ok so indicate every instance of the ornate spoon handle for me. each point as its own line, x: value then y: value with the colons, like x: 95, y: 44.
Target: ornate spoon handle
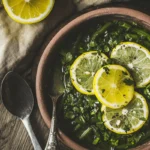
x: 52, y: 143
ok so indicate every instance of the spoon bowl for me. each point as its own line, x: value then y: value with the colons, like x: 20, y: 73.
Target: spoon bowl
x: 18, y: 99
x: 56, y: 91
x: 20, y: 103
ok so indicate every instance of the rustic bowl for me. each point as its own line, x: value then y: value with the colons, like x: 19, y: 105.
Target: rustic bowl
x: 47, y: 60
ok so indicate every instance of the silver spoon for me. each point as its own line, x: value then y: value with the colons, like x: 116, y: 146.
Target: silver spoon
x: 56, y: 91
x: 52, y: 143
x: 18, y: 99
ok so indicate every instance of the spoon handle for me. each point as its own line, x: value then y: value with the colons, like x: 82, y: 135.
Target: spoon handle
x: 52, y: 143
x: 27, y: 124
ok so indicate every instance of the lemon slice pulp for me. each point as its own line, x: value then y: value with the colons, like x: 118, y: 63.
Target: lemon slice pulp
x: 113, y: 86
x: 136, y: 59
x: 128, y: 119
x: 28, y: 11
x: 83, y: 70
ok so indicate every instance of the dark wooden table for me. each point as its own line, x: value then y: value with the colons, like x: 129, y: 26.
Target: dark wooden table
x: 13, y: 135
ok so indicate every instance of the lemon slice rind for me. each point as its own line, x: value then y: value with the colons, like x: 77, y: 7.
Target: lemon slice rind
x: 30, y: 20
x: 134, y: 128
x: 134, y: 63
x: 87, y: 55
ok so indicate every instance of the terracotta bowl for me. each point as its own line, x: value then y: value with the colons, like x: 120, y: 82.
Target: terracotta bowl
x: 48, y: 58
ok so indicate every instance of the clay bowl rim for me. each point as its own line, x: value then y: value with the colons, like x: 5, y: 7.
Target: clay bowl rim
x: 126, y: 12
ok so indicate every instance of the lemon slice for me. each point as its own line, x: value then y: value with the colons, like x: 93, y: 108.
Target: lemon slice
x: 136, y: 59
x: 113, y: 86
x: 28, y: 11
x: 128, y: 119
x: 83, y: 70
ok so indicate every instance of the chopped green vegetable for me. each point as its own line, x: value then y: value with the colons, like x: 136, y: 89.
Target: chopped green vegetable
x: 143, y: 119
x: 106, y: 136
x: 125, y: 73
x: 82, y: 113
x: 77, y: 127
x: 114, y: 142
x: 85, y: 133
x: 141, y: 33
x: 67, y: 57
x: 99, y: 32
x: 106, y: 69
x: 96, y: 140
x: 128, y: 81
x: 147, y: 91
x: 125, y: 25
x: 131, y: 37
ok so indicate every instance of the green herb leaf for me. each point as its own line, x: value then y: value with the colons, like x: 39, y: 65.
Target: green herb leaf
x: 85, y: 133
x: 128, y: 81
x: 142, y: 118
x: 96, y: 140
x: 106, y: 136
x: 106, y: 69
x: 125, y: 73
x: 147, y: 91
x: 67, y: 57
x: 126, y: 128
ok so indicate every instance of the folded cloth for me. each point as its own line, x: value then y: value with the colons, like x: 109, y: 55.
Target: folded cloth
x: 20, y: 43
x: 81, y: 4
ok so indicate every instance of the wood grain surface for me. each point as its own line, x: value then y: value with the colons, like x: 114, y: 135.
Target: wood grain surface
x: 13, y: 135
